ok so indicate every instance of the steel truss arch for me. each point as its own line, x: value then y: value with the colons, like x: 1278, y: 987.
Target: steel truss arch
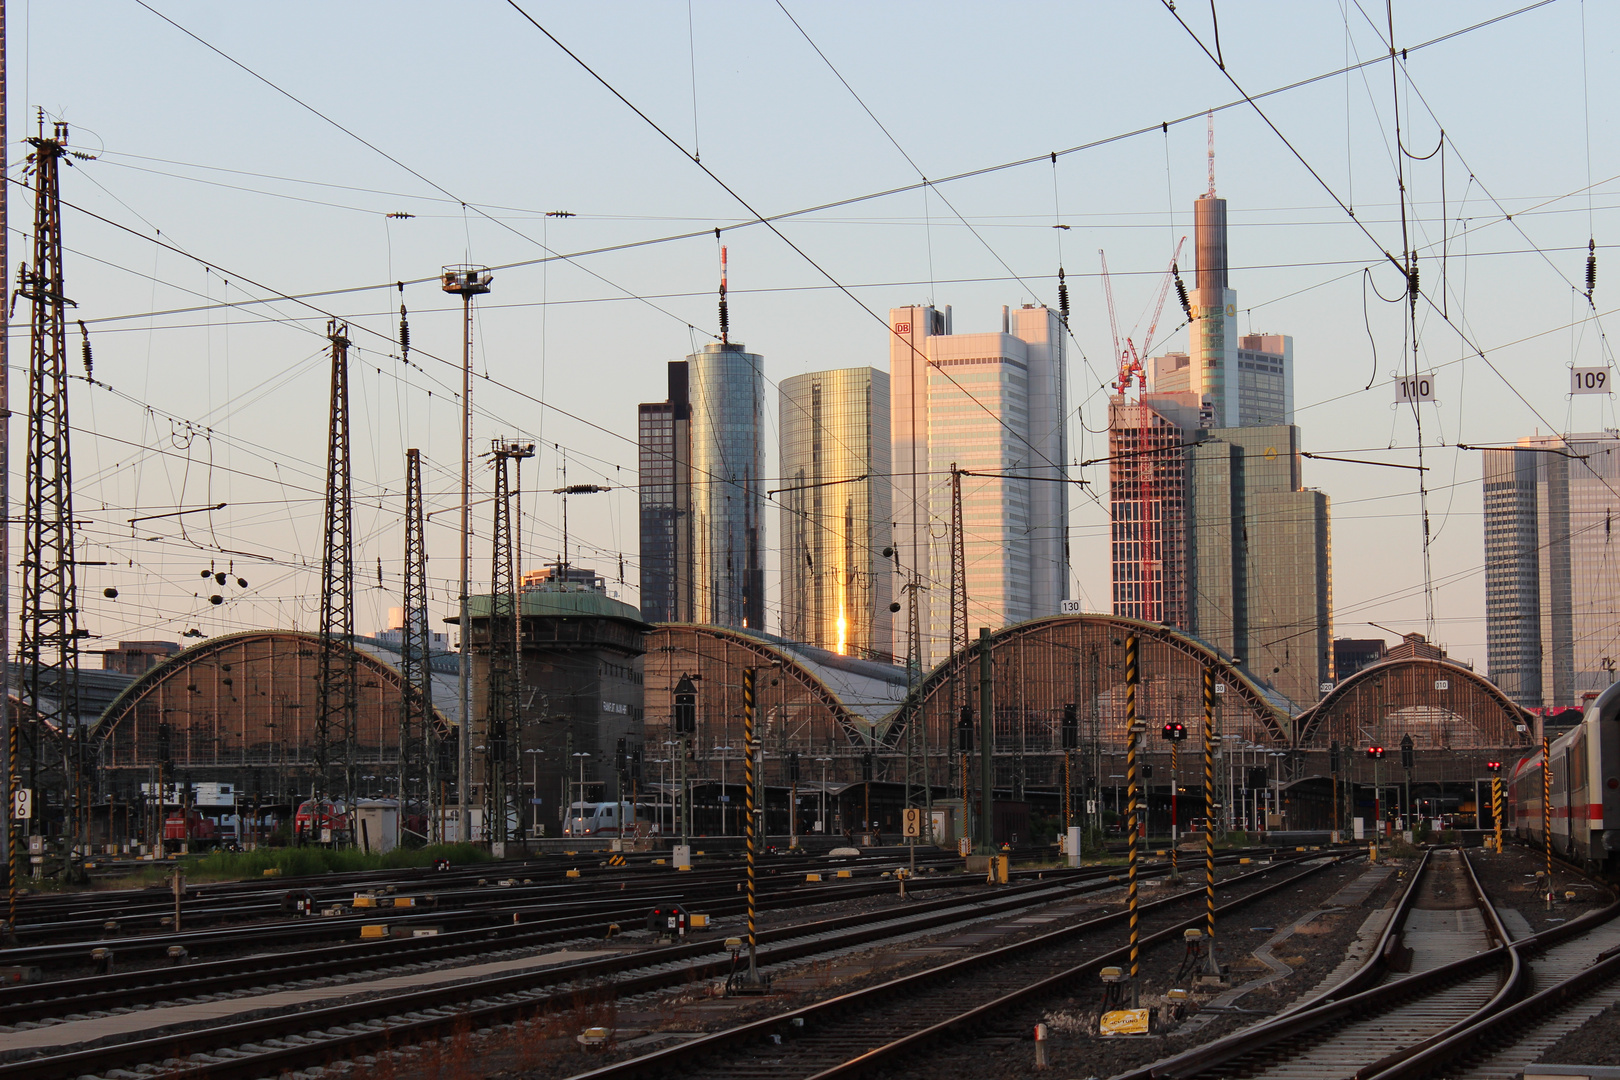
x: 1440, y: 702
x: 254, y: 692
x: 1044, y: 664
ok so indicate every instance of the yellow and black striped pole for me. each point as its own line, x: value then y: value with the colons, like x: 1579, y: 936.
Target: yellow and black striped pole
x: 1209, y: 818
x: 1132, y: 678
x: 1546, y: 808
x: 748, y: 778
x: 1496, y: 810
x: 13, y: 848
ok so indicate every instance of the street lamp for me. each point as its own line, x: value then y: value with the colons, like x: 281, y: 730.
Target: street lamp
x: 581, y: 755
x: 822, y: 824
x: 725, y: 792
x: 534, y: 784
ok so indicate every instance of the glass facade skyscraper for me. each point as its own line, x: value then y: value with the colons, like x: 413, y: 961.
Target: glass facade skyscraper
x: 991, y: 404
x: 702, y: 460
x: 727, y: 392
x: 835, y: 516
x: 1552, y: 568
x: 1237, y: 552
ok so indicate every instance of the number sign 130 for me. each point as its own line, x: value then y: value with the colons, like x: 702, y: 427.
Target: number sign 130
x: 1589, y: 380
x: 1414, y: 388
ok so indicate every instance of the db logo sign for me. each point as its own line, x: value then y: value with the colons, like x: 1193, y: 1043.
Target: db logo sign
x: 902, y: 328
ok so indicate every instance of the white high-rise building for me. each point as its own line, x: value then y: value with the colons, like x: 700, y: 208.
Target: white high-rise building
x: 992, y: 405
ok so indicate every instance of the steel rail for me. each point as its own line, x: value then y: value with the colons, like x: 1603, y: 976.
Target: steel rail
x: 1464, y: 1040
x: 679, y: 1058
x: 42, y: 1000
x: 1363, y: 996
x: 394, y: 1020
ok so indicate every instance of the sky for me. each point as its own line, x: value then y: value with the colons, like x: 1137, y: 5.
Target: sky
x: 246, y: 161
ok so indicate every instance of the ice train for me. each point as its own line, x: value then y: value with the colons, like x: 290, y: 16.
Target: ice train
x: 1584, y: 789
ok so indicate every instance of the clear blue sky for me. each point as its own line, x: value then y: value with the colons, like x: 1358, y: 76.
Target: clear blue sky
x: 213, y: 404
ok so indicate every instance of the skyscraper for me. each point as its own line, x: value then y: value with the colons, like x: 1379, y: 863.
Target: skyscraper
x: 992, y: 405
x: 1242, y: 381
x: 1260, y: 574
x: 702, y: 518
x: 1235, y: 552
x: 834, y: 465
x: 665, y: 447
x: 1552, y: 569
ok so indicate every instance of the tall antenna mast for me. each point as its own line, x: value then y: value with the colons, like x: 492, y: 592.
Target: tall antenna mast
x: 1211, y: 116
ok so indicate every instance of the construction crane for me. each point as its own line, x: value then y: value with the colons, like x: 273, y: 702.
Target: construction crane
x: 1149, y: 539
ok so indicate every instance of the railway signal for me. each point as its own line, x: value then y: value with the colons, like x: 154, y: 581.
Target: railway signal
x: 685, y: 706
x: 1071, y: 726
x: 1333, y: 757
x: 1406, y: 752
x: 1375, y: 752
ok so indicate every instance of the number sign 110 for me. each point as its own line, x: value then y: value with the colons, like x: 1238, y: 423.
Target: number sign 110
x: 1410, y: 388
x: 1589, y: 380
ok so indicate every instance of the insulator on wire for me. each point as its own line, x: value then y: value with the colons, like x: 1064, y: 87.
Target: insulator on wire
x: 1063, y: 298
x: 1412, y: 280
x: 1181, y: 292
x: 90, y: 365
x: 404, y: 326
x: 1591, y: 268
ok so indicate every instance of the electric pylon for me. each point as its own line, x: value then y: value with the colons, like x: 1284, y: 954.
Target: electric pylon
x: 335, y: 717
x: 418, y: 757
x: 502, y: 721
x: 48, y: 646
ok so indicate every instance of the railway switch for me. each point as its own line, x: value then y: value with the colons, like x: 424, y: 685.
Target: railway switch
x: 178, y: 955
x: 103, y: 959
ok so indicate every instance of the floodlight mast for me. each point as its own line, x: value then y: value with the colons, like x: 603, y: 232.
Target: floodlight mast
x: 465, y: 281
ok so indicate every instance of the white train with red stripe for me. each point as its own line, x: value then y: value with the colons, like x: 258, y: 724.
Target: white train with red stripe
x: 1585, y: 788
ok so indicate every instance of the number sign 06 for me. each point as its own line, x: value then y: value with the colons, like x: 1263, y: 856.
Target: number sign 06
x: 1589, y: 380
x: 1414, y: 388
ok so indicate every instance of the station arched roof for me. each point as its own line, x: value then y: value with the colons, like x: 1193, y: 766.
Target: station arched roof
x: 856, y: 694
x: 1059, y: 659
x: 1440, y: 702
x: 244, y: 683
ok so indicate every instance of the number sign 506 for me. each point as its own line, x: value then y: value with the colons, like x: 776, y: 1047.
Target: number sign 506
x: 1589, y: 380
x: 1414, y: 388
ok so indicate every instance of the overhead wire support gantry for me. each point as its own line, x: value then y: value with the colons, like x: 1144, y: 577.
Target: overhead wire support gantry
x: 418, y: 746
x: 48, y: 646
x: 504, y: 640
x: 337, y: 675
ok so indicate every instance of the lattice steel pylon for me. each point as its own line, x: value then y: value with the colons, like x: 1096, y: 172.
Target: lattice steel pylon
x: 418, y: 754
x: 502, y: 721
x: 336, y: 676
x: 48, y: 646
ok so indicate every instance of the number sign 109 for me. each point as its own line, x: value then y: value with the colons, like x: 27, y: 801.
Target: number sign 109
x: 1589, y: 380
x: 1414, y: 388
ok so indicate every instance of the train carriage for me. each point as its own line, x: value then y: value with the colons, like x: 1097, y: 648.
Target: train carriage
x: 1583, y: 787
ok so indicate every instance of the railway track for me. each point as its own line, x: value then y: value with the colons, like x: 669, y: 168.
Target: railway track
x: 268, y: 1046
x: 549, y: 926
x: 1447, y: 992
x: 484, y: 902
x: 866, y: 1029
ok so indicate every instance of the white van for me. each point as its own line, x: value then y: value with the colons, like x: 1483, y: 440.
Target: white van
x: 606, y: 819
